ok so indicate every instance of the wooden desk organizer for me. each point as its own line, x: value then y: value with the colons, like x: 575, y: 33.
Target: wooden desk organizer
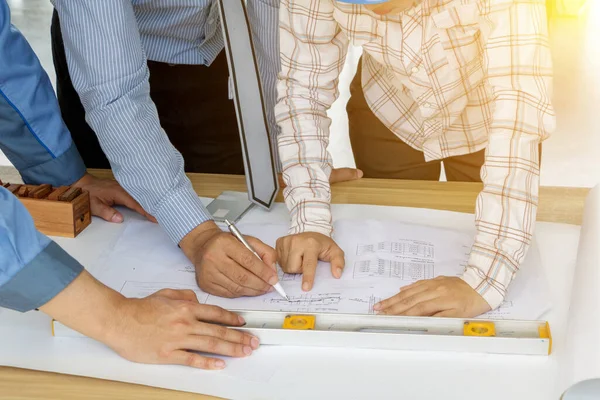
x: 56, y: 211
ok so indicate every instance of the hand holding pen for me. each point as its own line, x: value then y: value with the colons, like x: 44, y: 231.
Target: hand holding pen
x: 235, y: 232
x: 225, y: 267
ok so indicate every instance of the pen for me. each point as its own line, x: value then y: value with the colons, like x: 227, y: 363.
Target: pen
x: 235, y: 232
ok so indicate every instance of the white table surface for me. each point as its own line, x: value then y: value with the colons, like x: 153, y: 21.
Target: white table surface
x: 301, y: 372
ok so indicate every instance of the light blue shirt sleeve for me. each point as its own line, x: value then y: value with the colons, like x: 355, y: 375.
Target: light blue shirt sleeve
x: 32, y: 133
x: 33, y: 269
x: 109, y: 71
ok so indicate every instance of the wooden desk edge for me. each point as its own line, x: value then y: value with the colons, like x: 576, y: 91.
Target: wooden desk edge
x: 557, y: 204
x: 27, y: 384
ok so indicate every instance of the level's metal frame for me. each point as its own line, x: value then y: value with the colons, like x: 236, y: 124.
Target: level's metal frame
x: 400, y: 333
x: 390, y: 333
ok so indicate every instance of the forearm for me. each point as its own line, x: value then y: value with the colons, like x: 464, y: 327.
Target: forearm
x: 166, y: 327
x: 87, y: 306
x: 33, y: 135
x: 522, y: 117
x: 116, y: 97
x: 311, y: 61
x: 505, y: 215
x: 33, y: 269
x: 306, y: 163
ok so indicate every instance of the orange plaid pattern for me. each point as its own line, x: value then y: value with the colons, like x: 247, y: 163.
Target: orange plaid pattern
x: 449, y: 77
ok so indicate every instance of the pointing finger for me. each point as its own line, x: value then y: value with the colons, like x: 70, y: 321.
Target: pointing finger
x: 310, y: 261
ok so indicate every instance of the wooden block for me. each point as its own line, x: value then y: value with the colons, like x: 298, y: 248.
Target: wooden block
x: 40, y: 192
x: 70, y: 194
x: 13, y: 188
x: 23, y: 191
x: 59, y: 191
x: 60, y: 218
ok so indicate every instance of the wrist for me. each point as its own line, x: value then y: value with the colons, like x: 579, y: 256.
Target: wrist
x: 115, y: 326
x: 472, y: 277
x: 197, y: 237
x: 87, y: 306
x: 323, y: 229
x: 110, y: 318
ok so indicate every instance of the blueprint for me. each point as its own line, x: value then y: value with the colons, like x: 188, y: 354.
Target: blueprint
x: 381, y: 257
x: 401, y: 247
x: 409, y: 270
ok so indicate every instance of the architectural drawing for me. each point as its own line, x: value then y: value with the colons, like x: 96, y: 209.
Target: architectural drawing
x: 283, y: 277
x: 402, y: 247
x: 369, y: 301
x: 404, y: 270
x: 504, y: 311
x: 324, y: 302
x: 377, y: 265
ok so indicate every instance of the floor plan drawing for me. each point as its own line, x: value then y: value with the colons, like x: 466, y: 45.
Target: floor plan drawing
x: 368, y: 301
x: 404, y: 270
x: 379, y: 260
x: 504, y: 310
x: 307, y: 302
x: 402, y: 247
x: 289, y: 277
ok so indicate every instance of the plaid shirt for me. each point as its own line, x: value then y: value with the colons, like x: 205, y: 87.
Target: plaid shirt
x: 449, y: 77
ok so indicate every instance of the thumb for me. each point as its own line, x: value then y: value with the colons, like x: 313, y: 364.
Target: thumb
x: 266, y: 253
x: 185, y: 294
x: 177, y: 294
x: 121, y: 197
x: 99, y: 209
x: 335, y: 256
x: 337, y: 264
x: 345, y: 174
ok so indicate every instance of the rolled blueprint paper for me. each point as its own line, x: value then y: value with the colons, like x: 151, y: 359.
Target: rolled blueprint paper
x: 586, y: 390
x: 582, y: 359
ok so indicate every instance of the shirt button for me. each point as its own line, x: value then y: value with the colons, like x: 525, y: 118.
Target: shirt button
x: 415, y: 70
x: 428, y: 105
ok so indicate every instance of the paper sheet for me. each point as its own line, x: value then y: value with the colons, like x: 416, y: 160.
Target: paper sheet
x: 380, y: 258
x: 28, y: 342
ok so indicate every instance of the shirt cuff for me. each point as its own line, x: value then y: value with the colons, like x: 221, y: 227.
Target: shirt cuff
x: 40, y: 280
x: 311, y: 216
x: 493, y: 285
x: 63, y: 170
x: 180, y: 213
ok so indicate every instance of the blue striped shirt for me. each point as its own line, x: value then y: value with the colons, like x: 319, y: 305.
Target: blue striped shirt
x: 108, y: 43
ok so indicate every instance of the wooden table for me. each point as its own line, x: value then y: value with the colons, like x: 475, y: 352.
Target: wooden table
x: 557, y: 204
